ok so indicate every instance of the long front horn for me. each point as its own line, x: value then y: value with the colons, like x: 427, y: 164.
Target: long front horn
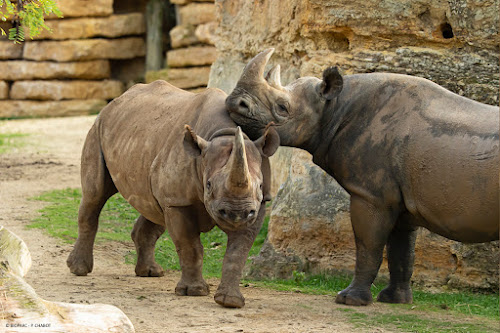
x: 238, y: 164
x: 254, y: 70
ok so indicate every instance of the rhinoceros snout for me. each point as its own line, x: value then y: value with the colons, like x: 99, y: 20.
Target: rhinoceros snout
x: 236, y: 216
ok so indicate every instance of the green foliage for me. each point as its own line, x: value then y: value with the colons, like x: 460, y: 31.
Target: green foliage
x: 26, y: 14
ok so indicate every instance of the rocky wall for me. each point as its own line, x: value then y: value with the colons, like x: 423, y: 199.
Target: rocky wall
x: 73, y: 69
x: 453, y: 43
x: 192, y: 51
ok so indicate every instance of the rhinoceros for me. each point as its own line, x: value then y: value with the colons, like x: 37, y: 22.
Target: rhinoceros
x: 409, y: 152
x: 177, y: 180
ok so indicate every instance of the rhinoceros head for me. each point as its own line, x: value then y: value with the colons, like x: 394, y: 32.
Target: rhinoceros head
x: 295, y: 109
x: 232, y: 176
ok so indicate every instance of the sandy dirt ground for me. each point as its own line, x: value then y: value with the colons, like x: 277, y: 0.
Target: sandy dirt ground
x: 50, y: 160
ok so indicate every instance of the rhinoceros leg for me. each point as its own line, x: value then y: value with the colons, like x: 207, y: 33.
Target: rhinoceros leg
x: 371, y: 226
x: 401, y: 256
x: 97, y: 188
x: 185, y: 233
x: 145, y: 234
x: 239, y: 244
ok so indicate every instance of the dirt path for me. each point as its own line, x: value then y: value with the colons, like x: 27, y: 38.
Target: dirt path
x: 51, y: 160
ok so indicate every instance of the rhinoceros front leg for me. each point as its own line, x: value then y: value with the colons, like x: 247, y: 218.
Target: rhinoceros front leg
x: 401, y: 256
x: 371, y: 226
x: 239, y: 244
x: 185, y: 233
x: 145, y: 234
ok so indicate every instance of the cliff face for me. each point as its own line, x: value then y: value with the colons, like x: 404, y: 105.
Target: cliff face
x: 454, y: 43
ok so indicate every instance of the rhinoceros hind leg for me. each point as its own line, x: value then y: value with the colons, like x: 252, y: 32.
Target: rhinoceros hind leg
x: 145, y: 234
x: 97, y: 188
x: 372, y: 226
x: 185, y: 233
x: 401, y: 256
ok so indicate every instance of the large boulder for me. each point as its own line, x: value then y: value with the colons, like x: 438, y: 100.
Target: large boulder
x: 453, y: 43
x: 24, y: 311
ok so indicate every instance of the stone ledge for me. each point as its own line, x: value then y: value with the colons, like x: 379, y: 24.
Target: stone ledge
x: 29, y: 70
x: 183, y: 35
x: 196, y: 13
x: 60, y: 90
x: 79, y: 8
x: 192, y: 56
x: 4, y: 90
x: 79, y: 28
x: 9, y: 50
x: 183, y: 78
x: 91, y: 49
x: 23, y: 109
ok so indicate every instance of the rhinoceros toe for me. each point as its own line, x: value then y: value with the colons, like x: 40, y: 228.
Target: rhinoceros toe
x: 354, y: 296
x: 80, y: 265
x: 195, y: 289
x: 153, y: 270
x: 229, y: 300
x: 395, y: 295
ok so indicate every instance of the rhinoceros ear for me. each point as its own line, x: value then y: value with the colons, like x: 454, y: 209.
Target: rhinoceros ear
x: 269, y: 142
x: 193, y: 144
x: 332, y: 83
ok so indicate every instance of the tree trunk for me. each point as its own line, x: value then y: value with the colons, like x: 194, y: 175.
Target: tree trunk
x: 154, y: 39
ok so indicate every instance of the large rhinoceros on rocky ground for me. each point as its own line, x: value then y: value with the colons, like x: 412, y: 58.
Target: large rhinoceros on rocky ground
x: 409, y: 152
x: 177, y: 180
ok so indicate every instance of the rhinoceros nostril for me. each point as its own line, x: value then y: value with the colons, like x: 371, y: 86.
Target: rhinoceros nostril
x: 243, y: 105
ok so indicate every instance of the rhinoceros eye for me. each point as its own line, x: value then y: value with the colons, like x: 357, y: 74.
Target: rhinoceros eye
x: 282, y: 108
x: 209, y: 185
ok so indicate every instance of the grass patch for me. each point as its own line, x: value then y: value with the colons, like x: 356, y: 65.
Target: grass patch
x: 416, y: 323
x: 59, y: 219
x: 9, y: 141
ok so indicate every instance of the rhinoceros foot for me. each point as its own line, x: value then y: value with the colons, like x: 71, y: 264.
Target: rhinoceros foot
x: 395, y: 295
x: 354, y: 296
x: 229, y: 298
x: 80, y: 263
x: 193, y: 289
x: 153, y: 270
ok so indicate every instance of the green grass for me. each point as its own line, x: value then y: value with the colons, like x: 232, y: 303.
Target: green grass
x: 408, y: 322
x: 59, y: 219
x: 9, y: 141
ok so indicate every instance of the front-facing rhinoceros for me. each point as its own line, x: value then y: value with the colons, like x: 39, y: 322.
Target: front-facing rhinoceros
x: 177, y: 180
x: 409, y: 152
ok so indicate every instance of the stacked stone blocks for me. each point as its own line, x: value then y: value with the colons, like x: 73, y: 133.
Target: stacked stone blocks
x: 192, y: 41
x: 68, y: 71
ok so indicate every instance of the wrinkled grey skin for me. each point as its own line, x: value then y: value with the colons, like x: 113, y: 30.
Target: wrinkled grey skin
x: 177, y: 180
x: 409, y: 152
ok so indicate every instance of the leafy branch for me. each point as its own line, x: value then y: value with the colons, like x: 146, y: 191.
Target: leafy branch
x: 26, y: 14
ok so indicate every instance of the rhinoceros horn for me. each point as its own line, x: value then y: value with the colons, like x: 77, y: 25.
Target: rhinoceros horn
x: 238, y: 164
x: 274, y: 77
x: 254, y: 70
